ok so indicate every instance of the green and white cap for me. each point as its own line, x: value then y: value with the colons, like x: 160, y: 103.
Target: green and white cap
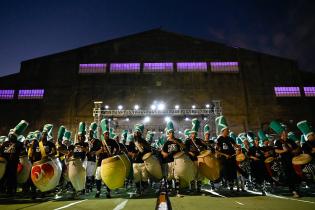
x: 30, y: 136
x: 82, y: 128
x: 105, y: 125
x: 67, y: 136
x: 93, y: 126
x: 48, y: 129
x: 221, y: 124
x: 149, y: 136
x: 292, y: 136
x: 21, y: 138
x: 186, y: 132
x: 195, y: 125
x: 61, y: 132
x: 124, y: 135
x: 3, y: 139
x: 19, y: 128
x: 242, y: 137
x: 130, y: 138
x: 277, y: 127
x: 206, y: 129
x: 233, y: 135
x: 37, y: 135
x: 305, y: 128
x: 112, y: 133
x: 138, y: 128
x: 169, y: 127
x: 251, y: 136
x: 302, y: 139
x: 262, y: 136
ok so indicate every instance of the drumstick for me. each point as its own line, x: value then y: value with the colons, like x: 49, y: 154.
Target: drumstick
x: 109, y: 152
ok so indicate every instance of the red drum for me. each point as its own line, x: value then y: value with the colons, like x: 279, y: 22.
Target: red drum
x: 77, y: 174
x: 301, y: 165
x: 23, y: 170
x: 46, y: 173
x: 3, y: 164
x: 274, y: 169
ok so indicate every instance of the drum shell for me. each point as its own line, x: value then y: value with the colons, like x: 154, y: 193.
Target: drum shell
x: 3, y: 165
x: 184, y: 168
x: 126, y: 162
x: 46, y: 173
x: 299, y: 162
x: 153, y: 165
x: 77, y: 174
x: 209, y: 166
x: 24, y: 174
x: 113, y: 172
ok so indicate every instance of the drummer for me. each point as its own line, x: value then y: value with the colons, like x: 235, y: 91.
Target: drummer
x: 106, y: 149
x: 45, y: 146
x: 226, y: 150
x: 11, y: 150
x: 81, y: 148
x: 309, y: 146
x: 207, y: 140
x: 286, y: 148
x: 193, y: 147
x: 170, y: 148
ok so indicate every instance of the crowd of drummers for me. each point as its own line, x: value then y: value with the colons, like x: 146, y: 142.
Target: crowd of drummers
x: 39, y: 162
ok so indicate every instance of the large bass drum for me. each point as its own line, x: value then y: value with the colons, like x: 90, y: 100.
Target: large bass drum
x: 46, y: 173
x: 77, y: 174
x: 113, y: 172
x: 3, y: 165
x: 184, y: 168
x: 24, y: 169
x: 208, y: 165
x: 153, y: 166
x: 303, y: 167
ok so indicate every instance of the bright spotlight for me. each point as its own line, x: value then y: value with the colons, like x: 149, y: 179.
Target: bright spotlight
x: 207, y: 106
x: 193, y: 106
x: 167, y: 119
x: 136, y: 107
x: 176, y: 106
x: 179, y: 132
x: 127, y: 119
x: 153, y: 107
x: 186, y: 119
x: 120, y: 107
x: 161, y: 106
x: 205, y: 119
x: 146, y: 119
x: 106, y: 106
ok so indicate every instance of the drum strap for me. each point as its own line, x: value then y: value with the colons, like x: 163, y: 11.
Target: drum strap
x: 42, y: 149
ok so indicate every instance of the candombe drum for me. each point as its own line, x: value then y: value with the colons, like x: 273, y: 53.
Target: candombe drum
x: 113, y: 172
x: 24, y: 169
x: 77, y: 174
x: 126, y: 162
x: 208, y: 165
x: 46, y: 173
x: 299, y: 163
x: 184, y: 168
x: 268, y: 163
x: 240, y: 157
x: 153, y: 166
x: 3, y: 164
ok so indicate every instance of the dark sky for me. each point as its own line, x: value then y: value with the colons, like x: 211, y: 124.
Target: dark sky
x: 33, y: 28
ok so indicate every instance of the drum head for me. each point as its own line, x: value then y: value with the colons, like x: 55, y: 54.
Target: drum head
x: 240, y: 157
x: 110, y: 159
x: 204, y: 153
x: 269, y: 160
x: 3, y: 160
x: 178, y: 155
x: 146, y: 156
x: 44, y: 160
x: 302, y: 159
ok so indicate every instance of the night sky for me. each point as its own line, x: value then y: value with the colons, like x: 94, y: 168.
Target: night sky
x: 34, y: 28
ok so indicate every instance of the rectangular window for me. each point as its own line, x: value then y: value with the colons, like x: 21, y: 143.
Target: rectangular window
x: 6, y: 94
x: 92, y: 68
x: 309, y: 91
x: 31, y: 94
x: 224, y: 67
x: 124, y: 67
x: 158, y: 67
x: 287, y: 91
x: 192, y: 67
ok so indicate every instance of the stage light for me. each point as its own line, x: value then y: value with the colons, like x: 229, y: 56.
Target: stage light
x: 146, y: 119
x: 153, y: 107
x: 207, y: 106
x: 136, y: 107
x: 106, y: 106
x: 167, y: 119
x: 120, y: 107
x: 176, y: 106
x: 193, y: 106
x: 186, y: 118
x: 127, y: 119
x: 161, y: 106
x: 205, y: 119
x: 109, y: 120
x: 179, y: 132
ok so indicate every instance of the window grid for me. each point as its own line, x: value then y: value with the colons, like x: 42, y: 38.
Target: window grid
x: 287, y: 91
x: 6, y: 94
x: 192, y: 67
x: 224, y: 67
x: 92, y: 68
x: 309, y: 91
x: 124, y: 67
x: 158, y: 67
x: 31, y: 94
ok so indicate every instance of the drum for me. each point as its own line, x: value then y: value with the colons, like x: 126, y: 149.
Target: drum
x: 3, y: 164
x: 268, y: 164
x: 113, y: 172
x: 24, y: 169
x: 77, y: 174
x: 208, y: 165
x: 153, y: 166
x: 299, y: 162
x: 240, y: 157
x: 275, y: 169
x: 126, y: 162
x: 46, y: 173
x: 184, y: 168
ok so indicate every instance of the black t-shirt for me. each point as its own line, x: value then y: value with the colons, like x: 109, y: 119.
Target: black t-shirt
x: 256, y: 152
x: 307, y: 148
x: 171, y: 148
x: 195, y: 147
x: 11, y: 151
x: 209, y: 144
x: 289, y: 144
x: 225, y: 145
x: 78, y: 150
x: 62, y: 147
x: 138, y: 154
x: 95, y: 144
x: 48, y: 146
x: 112, y: 146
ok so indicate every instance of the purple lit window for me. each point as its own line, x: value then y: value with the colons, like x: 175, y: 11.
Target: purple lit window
x: 287, y: 91
x: 124, y: 67
x: 31, y: 94
x: 158, y: 67
x: 224, y: 67
x: 309, y: 91
x: 92, y: 68
x: 6, y: 94
x: 191, y: 66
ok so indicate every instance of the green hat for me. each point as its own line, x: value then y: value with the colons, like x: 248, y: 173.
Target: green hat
x: 21, y: 138
x: 305, y: 128
x: 82, y: 128
x: 19, y: 128
x: 239, y: 141
x: 233, y: 135
x: 162, y: 140
x: 105, y: 125
x: 3, y: 139
x: 251, y: 136
x: 61, y: 132
x: 112, y: 133
x: 30, y: 136
x: 138, y: 128
x: 48, y: 129
x: 186, y: 132
x: 302, y: 139
x: 206, y: 129
x: 149, y: 136
x: 195, y: 125
x: 221, y: 124
x: 93, y: 126
x: 292, y: 136
x: 67, y: 136
x: 262, y: 136
x: 169, y: 127
x: 130, y: 137
x: 242, y: 137
x: 37, y: 135
x: 124, y: 134
x: 277, y: 127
